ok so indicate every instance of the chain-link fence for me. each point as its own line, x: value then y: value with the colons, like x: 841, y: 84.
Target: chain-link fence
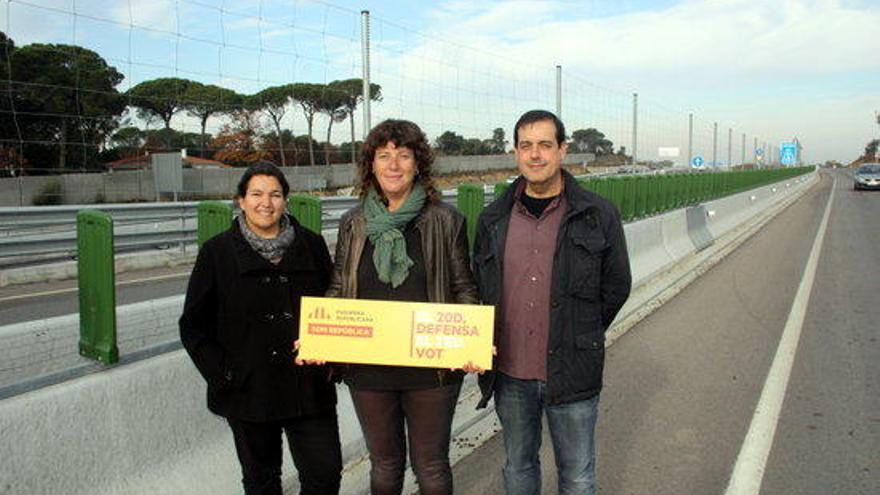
x: 103, y: 86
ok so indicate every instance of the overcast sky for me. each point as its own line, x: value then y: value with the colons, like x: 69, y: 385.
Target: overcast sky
x: 769, y: 70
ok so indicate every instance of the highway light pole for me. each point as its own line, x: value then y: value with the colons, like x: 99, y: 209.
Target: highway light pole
x: 714, y: 144
x: 690, y: 138
x: 729, y: 146
x: 559, y: 91
x: 365, y: 63
x: 635, y: 126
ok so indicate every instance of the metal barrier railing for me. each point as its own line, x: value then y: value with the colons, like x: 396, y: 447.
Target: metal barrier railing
x: 48, y: 230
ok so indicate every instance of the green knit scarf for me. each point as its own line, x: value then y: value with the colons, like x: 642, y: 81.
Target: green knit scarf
x: 384, y: 231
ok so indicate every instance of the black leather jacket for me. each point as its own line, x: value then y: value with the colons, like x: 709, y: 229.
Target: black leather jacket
x: 591, y: 281
x: 444, y: 247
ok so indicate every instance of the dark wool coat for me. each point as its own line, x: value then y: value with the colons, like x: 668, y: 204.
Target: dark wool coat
x: 590, y: 282
x: 239, y: 322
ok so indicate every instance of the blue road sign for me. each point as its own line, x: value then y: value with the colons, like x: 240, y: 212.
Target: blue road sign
x: 788, y: 153
x: 759, y: 151
x: 697, y: 161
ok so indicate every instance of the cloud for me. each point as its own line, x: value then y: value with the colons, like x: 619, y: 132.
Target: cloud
x: 473, y: 66
x: 501, y: 19
x: 159, y: 15
x: 732, y: 61
x: 796, y: 37
x: 26, y: 23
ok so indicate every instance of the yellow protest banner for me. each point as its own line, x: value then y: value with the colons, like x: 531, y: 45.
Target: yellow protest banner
x: 396, y: 333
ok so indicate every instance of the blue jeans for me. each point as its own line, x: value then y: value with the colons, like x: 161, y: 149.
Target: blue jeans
x: 520, y: 404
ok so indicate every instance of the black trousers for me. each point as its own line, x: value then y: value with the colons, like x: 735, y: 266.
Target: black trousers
x: 426, y: 415
x: 314, y: 445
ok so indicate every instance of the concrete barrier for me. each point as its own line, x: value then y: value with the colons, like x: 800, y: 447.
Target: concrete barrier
x: 675, y: 237
x: 33, y: 350
x: 142, y: 426
x: 724, y: 214
x: 647, y: 253
x: 698, y: 230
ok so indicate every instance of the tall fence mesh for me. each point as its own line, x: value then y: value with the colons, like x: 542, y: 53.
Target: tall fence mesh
x: 89, y: 86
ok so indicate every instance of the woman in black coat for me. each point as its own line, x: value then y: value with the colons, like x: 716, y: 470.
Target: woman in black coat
x: 239, y: 325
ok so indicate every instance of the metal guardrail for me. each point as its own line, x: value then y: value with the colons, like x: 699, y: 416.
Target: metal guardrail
x: 51, y: 230
x: 19, y: 219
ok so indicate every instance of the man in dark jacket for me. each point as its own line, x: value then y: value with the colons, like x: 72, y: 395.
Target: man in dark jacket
x: 551, y: 257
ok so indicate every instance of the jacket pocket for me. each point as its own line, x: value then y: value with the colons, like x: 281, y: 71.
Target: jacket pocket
x: 589, y: 359
x: 235, y: 375
x: 584, y: 266
x: 590, y: 342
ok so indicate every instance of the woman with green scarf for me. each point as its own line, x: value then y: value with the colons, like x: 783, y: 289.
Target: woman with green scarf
x: 403, y: 244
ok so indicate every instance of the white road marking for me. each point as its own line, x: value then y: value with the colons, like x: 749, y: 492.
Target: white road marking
x: 74, y: 289
x: 748, y: 472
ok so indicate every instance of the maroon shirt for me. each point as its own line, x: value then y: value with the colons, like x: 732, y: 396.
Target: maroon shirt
x: 528, y: 268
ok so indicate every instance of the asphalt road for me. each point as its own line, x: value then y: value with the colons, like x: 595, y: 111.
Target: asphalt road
x: 45, y: 300
x: 681, y: 388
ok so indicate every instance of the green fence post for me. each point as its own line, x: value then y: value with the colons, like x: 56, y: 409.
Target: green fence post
x: 616, y: 192
x: 716, y: 184
x: 629, y: 198
x: 723, y: 179
x: 684, y: 197
x: 667, y: 191
x: 470, y: 201
x: 97, y: 286
x: 640, y: 191
x: 706, y: 188
x: 696, y: 188
x: 700, y: 186
x: 660, y: 189
x: 674, y: 191
x: 591, y: 184
x: 307, y: 211
x: 602, y: 185
x: 499, y: 189
x: 652, y: 205
x: 214, y: 217
x: 686, y: 186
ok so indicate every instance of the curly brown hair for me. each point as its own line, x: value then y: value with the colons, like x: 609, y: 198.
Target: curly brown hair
x: 402, y: 133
